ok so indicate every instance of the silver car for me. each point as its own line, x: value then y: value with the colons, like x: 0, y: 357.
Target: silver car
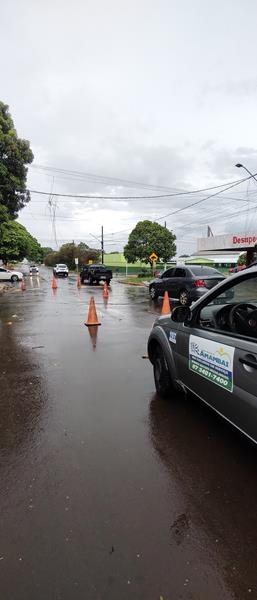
x: 210, y: 349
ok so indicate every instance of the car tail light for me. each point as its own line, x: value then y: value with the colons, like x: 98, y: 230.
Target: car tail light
x: 200, y: 283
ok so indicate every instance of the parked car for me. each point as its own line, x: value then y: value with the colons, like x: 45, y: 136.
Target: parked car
x: 185, y: 284
x: 237, y: 268
x: 33, y: 270
x: 10, y: 275
x: 60, y: 270
x: 210, y: 349
x: 96, y: 273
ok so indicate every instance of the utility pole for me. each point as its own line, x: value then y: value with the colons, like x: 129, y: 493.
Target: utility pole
x: 165, y: 224
x: 102, y: 244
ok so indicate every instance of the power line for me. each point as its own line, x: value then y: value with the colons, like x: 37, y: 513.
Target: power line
x: 105, y: 179
x: 197, y: 202
x: 155, y: 196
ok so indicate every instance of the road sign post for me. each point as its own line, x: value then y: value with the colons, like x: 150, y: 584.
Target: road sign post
x: 76, y: 263
x: 153, y: 258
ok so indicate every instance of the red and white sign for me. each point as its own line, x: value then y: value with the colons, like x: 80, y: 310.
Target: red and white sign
x: 229, y: 241
x: 249, y: 240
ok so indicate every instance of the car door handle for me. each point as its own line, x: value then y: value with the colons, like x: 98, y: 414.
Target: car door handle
x: 249, y: 360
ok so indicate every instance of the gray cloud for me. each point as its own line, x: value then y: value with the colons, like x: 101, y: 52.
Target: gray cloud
x: 149, y: 92
x: 240, y: 88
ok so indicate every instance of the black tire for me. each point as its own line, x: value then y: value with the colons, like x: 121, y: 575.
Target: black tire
x: 108, y: 281
x: 184, y: 298
x: 14, y: 278
x: 91, y: 281
x: 162, y: 378
x: 65, y: 274
x: 153, y: 293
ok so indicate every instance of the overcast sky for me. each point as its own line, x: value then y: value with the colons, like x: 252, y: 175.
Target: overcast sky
x: 160, y: 93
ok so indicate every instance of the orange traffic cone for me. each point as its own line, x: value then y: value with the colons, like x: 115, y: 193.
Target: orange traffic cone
x: 78, y: 282
x: 54, y: 284
x: 23, y: 284
x: 166, y: 305
x: 106, y: 293
x: 92, y: 318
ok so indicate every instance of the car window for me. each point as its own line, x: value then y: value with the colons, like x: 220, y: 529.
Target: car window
x: 207, y: 271
x: 3, y: 270
x: 234, y: 309
x: 180, y: 273
x: 168, y: 273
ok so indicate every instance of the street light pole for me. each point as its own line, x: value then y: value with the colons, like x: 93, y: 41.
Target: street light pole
x: 240, y: 166
x: 250, y: 252
x: 102, y: 244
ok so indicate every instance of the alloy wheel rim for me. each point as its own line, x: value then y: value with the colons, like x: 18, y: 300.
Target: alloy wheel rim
x: 183, y: 298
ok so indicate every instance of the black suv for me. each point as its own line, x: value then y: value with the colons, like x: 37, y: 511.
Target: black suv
x: 185, y: 284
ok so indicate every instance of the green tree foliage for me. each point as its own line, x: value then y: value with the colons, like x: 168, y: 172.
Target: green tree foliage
x: 4, y: 215
x: 15, y: 154
x: 68, y: 253
x: 242, y: 259
x: 45, y: 251
x: 148, y: 237
x: 16, y: 242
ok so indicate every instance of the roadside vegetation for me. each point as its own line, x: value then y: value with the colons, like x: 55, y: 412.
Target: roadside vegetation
x: 148, y: 237
x: 68, y: 253
x: 16, y: 242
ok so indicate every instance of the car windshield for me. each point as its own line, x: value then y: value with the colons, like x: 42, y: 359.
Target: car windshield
x: 205, y: 271
x: 242, y: 292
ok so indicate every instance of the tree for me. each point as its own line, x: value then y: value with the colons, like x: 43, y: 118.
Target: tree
x: 45, y: 251
x: 16, y: 243
x: 242, y: 259
x: 15, y: 154
x: 148, y: 237
x: 4, y: 216
x: 68, y: 253
x: 51, y: 259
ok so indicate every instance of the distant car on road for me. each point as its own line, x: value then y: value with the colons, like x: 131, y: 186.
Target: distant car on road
x: 185, y: 284
x: 60, y: 270
x: 10, y: 275
x: 33, y: 270
x: 237, y: 268
x: 210, y: 349
x: 96, y: 273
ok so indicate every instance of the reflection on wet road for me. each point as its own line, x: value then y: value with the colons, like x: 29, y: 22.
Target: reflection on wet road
x: 106, y: 491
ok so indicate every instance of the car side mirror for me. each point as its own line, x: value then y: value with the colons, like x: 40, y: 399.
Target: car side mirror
x: 180, y: 314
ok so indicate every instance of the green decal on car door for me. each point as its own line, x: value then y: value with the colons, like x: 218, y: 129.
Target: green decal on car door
x: 212, y: 360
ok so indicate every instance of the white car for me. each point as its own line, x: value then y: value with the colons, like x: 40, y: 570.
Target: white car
x: 8, y: 275
x: 61, y: 270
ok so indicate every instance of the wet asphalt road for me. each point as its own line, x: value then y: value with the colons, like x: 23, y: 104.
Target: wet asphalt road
x: 106, y: 491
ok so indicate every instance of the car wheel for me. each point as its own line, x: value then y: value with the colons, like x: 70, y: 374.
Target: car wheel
x: 108, y: 281
x: 184, y: 298
x: 14, y: 278
x: 65, y: 274
x: 162, y: 378
x: 153, y: 293
x: 91, y: 281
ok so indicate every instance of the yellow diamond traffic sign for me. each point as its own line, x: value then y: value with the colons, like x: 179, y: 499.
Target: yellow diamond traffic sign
x: 153, y: 257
